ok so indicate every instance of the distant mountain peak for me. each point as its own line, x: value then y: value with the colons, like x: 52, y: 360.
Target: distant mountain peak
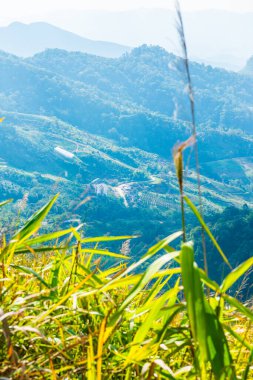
x: 248, y: 69
x: 28, y: 39
x: 149, y: 48
x: 16, y: 24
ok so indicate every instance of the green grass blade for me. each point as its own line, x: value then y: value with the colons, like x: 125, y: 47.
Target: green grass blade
x: 103, y: 252
x: 206, y: 280
x: 146, y: 325
x: 39, y: 250
x: 54, y: 280
x: 206, y: 329
x: 146, y: 277
x: 152, y: 251
x: 107, y: 238
x: 5, y: 202
x: 207, y: 230
x: 34, y: 223
x: 239, y: 306
x: 31, y: 271
x: 133, y: 279
x: 42, y: 316
x: 220, y: 357
x: 155, y: 309
x: 249, y: 365
x: 150, y: 272
x: 162, y: 244
x: 48, y: 237
x: 195, y: 300
x: 233, y: 276
x: 238, y: 337
x: 171, y: 312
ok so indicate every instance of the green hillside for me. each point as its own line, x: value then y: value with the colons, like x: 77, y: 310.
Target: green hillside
x: 143, y: 269
x: 101, y: 132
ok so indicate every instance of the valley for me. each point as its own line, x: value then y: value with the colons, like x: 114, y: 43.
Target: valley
x: 101, y: 132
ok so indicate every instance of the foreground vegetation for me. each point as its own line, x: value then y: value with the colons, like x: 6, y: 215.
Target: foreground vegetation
x: 66, y: 314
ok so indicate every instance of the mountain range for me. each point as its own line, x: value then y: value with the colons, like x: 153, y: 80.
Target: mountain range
x: 219, y: 38
x: 101, y: 132
x: 28, y: 39
x: 248, y: 69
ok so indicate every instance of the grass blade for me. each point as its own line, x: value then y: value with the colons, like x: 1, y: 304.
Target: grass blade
x: 103, y: 252
x: 5, y: 202
x: 206, y: 329
x: 207, y: 230
x: 48, y: 237
x: 33, y: 223
x: 233, y: 276
x: 107, y: 238
x: 150, y: 272
x: 195, y: 301
x: 239, y: 306
x: 31, y: 271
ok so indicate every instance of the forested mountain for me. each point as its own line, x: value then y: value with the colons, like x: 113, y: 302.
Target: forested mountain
x: 152, y: 78
x: 233, y: 230
x: 27, y: 39
x: 101, y: 132
x: 248, y: 69
x: 217, y: 37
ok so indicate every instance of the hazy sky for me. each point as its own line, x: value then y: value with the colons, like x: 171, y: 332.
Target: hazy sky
x: 24, y: 10
x: 155, y: 27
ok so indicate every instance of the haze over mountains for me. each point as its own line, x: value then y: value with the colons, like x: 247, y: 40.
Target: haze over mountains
x: 248, y: 69
x: 121, y: 118
x: 214, y: 37
x: 26, y: 40
x: 219, y: 38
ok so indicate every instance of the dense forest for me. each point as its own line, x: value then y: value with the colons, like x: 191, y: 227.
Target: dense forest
x: 120, y: 118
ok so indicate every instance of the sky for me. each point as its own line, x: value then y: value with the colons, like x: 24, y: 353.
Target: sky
x: 25, y: 10
x: 155, y: 27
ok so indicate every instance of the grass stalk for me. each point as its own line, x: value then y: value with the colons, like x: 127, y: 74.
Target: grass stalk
x: 182, y: 39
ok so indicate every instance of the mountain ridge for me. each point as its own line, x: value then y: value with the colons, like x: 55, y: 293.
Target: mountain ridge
x: 157, y: 27
x: 248, y: 69
x: 119, y: 120
x: 28, y: 39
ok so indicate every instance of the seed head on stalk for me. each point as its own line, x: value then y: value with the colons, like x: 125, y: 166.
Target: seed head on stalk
x: 190, y: 92
x: 179, y: 165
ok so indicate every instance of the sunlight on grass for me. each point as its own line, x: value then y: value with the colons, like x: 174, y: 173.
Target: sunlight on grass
x: 63, y: 316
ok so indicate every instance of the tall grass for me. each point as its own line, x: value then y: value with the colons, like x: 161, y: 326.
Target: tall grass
x: 63, y: 317
x: 194, y: 137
